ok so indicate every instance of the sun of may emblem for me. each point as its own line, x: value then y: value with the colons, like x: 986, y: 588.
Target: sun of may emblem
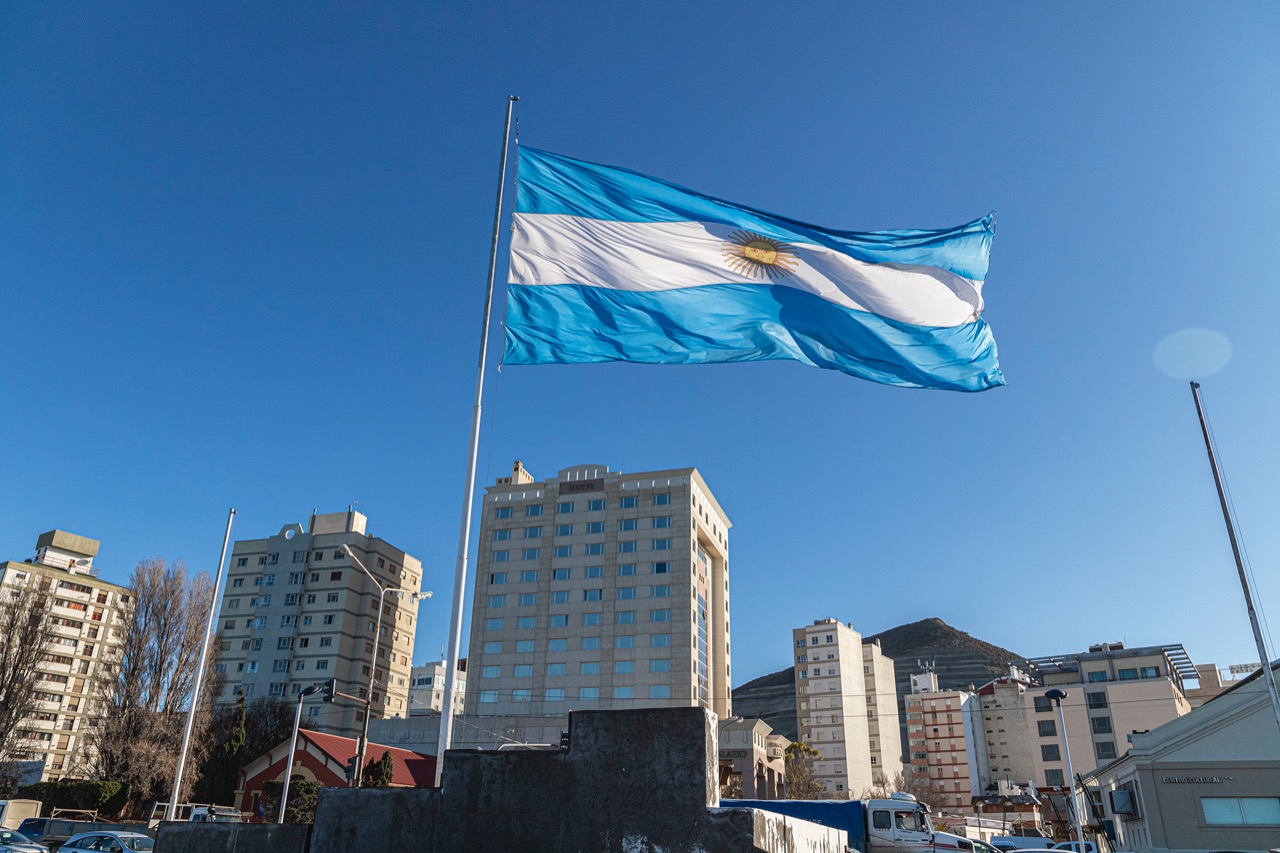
x: 757, y: 256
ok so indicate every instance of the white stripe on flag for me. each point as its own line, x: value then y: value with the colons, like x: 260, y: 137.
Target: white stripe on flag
x: 656, y: 256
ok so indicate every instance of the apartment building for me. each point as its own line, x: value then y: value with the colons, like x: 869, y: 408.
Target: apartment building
x: 1112, y: 692
x: 884, y: 723
x: 296, y: 610
x: 89, y: 620
x: 426, y: 688
x: 845, y: 698
x: 599, y: 589
x: 946, y: 742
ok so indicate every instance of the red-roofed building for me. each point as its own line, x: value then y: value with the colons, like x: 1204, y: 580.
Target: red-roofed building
x: 323, y: 758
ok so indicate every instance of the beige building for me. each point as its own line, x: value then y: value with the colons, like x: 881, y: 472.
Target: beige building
x: 88, y: 629
x: 1209, y: 780
x: 426, y: 688
x: 945, y: 741
x: 599, y: 590
x: 752, y: 760
x: 1112, y: 691
x: 845, y: 699
x: 296, y: 611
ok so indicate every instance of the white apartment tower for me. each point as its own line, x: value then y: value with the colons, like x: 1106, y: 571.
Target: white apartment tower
x: 844, y: 699
x: 598, y: 589
x: 296, y: 611
x: 88, y: 626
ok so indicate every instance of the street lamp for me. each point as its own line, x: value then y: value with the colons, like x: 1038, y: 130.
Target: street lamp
x: 362, y: 746
x: 1056, y: 696
x: 293, y: 746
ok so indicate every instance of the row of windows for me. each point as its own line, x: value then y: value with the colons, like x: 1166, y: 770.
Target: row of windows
x: 589, y: 644
x: 625, y: 524
x: 587, y: 667
x: 813, y: 641
x: 588, y: 572
x: 588, y: 694
x: 621, y: 617
x: 260, y: 622
x: 591, y: 549
x: 290, y: 598
x: 562, y: 596
x: 1094, y: 701
x: 593, y: 505
x: 277, y: 666
x: 294, y: 578
x: 1131, y: 674
x: 817, y: 672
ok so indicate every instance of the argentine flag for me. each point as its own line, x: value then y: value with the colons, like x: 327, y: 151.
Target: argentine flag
x: 610, y: 265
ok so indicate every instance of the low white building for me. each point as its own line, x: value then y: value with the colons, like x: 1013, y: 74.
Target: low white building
x: 1208, y: 780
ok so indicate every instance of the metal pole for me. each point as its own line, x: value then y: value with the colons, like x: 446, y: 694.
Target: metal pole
x: 368, y: 711
x: 195, y: 690
x: 288, y: 768
x: 1267, y: 675
x: 1071, y: 801
x: 373, y: 668
x: 464, y: 532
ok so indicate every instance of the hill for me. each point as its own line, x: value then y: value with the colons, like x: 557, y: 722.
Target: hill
x: 959, y: 659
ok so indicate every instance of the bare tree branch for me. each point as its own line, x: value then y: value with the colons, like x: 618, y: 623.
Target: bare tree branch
x: 25, y: 638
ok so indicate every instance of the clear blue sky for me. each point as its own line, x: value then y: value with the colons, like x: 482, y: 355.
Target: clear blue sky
x: 243, y: 250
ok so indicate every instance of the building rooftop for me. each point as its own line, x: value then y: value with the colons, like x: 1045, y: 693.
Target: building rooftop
x: 1051, y: 664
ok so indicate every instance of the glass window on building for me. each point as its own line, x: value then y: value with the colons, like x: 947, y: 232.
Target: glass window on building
x: 1241, y: 811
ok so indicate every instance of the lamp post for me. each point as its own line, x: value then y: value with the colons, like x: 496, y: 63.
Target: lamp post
x: 362, y: 746
x: 1056, y: 696
x: 293, y: 746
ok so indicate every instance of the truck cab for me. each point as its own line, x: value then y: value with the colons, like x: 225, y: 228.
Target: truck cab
x: 898, y: 824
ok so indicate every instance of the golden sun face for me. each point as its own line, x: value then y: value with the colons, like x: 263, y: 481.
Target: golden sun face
x: 757, y: 256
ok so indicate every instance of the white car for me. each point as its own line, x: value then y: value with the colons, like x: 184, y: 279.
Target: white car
x: 1074, y: 847
x: 109, y: 842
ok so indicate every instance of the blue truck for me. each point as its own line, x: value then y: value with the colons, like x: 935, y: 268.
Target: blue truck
x: 899, y: 824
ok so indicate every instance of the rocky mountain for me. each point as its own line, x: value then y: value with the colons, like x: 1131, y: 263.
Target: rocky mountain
x: 959, y: 659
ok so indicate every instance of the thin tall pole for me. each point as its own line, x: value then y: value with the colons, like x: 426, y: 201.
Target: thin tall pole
x: 469, y: 490
x: 1071, y: 776
x: 195, y: 691
x: 288, y: 768
x: 373, y: 669
x: 1267, y: 675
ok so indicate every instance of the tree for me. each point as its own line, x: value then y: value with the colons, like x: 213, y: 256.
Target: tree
x: 801, y: 783
x: 303, y: 794
x: 378, y: 774
x: 918, y: 785
x: 245, y: 730
x: 25, y: 637
x: 138, y: 732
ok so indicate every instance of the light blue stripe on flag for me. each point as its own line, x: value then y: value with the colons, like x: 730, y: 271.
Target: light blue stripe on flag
x: 610, y: 265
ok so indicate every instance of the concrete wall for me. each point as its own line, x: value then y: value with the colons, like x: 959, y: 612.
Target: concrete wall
x: 232, y: 838
x: 631, y: 781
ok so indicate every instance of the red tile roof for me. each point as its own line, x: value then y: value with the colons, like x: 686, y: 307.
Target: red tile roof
x: 412, y: 769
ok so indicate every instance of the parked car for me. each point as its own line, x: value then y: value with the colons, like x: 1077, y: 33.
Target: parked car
x: 109, y: 842
x: 1009, y: 843
x: 1074, y: 846
x: 12, y: 841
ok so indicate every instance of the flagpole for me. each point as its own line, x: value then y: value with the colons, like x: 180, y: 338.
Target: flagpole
x: 171, y: 811
x: 1266, y: 674
x: 464, y: 533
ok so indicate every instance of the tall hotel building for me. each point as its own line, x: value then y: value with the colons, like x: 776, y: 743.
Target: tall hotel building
x: 88, y: 623
x: 600, y: 590
x: 296, y: 611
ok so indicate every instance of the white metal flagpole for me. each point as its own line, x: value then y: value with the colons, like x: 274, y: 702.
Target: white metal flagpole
x: 195, y: 690
x: 464, y: 534
x: 1266, y: 674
